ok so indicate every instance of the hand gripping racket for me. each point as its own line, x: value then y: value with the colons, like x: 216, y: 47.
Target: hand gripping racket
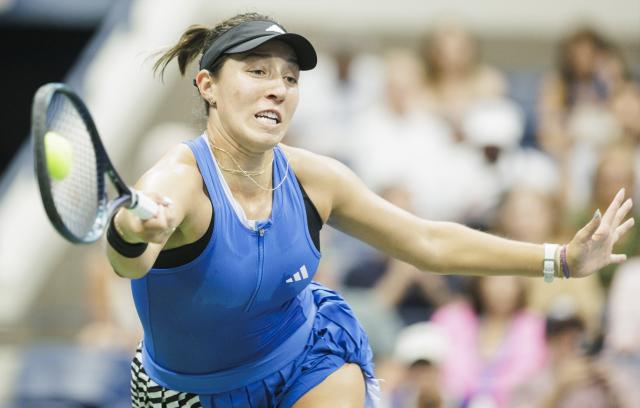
x: 72, y: 168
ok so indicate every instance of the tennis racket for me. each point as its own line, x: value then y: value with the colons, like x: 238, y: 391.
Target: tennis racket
x: 72, y: 168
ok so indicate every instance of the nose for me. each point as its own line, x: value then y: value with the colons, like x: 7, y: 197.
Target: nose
x: 277, y: 90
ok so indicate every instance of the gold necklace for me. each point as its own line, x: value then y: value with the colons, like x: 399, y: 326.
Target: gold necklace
x: 241, y: 171
x: 250, y: 175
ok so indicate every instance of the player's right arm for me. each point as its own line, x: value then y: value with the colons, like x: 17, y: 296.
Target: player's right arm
x: 173, y: 183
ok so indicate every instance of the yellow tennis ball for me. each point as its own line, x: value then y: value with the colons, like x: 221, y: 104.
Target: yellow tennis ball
x: 59, y: 155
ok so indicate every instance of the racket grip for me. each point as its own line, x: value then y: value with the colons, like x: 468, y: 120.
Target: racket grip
x: 142, y: 206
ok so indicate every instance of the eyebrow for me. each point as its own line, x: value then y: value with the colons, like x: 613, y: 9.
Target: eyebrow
x: 251, y: 54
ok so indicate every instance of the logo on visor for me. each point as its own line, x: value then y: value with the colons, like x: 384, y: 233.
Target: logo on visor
x: 276, y: 29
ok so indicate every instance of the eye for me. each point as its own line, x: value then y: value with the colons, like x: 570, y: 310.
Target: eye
x: 258, y: 72
x: 291, y: 80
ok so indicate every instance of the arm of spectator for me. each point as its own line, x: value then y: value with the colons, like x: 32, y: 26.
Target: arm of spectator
x: 435, y: 288
x: 394, y: 283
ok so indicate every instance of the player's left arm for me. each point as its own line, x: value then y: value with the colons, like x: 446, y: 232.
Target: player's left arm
x: 446, y: 247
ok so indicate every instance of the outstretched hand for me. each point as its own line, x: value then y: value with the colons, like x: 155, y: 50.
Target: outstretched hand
x: 592, y: 247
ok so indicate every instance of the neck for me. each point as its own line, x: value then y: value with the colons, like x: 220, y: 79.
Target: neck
x: 236, y: 161
x: 497, y: 319
x: 455, y: 75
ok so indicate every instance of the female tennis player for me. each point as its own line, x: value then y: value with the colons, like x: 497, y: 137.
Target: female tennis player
x: 222, y: 275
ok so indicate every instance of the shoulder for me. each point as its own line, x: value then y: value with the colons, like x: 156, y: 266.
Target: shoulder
x: 177, y: 166
x: 322, y: 177
x: 312, y: 168
x: 179, y: 154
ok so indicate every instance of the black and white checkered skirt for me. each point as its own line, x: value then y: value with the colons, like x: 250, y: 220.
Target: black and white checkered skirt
x: 145, y: 393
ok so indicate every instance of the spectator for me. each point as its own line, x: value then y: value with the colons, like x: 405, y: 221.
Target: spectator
x: 456, y: 78
x: 420, y: 349
x: 564, y: 333
x: 492, y: 131
x: 575, y: 84
x: 494, y: 343
x: 623, y: 334
x: 396, y: 134
x: 622, y: 342
x: 583, y: 383
x: 533, y: 215
x: 624, y: 92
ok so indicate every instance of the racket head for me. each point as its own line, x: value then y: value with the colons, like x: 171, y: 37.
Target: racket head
x: 76, y: 204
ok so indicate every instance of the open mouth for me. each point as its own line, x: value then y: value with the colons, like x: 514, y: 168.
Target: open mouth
x: 268, y: 117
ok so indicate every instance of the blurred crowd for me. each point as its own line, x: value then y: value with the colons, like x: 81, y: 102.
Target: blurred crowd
x: 437, y: 131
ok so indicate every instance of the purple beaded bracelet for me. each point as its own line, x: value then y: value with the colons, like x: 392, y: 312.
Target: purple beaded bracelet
x: 563, y: 262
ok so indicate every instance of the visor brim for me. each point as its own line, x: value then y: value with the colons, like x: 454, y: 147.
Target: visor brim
x: 305, y: 53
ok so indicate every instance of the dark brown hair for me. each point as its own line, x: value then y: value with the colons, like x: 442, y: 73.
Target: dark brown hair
x: 563, y: 56
x: 582, y: 34
x: 429, y: 49
x: 196, y: 39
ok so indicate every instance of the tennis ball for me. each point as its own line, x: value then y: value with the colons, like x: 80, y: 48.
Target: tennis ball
x: 59, y: 155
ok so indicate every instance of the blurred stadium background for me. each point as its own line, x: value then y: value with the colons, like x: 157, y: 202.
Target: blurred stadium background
x: 518, y: 118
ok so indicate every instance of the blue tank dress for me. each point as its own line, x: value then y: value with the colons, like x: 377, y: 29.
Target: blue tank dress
x: 243, y: 324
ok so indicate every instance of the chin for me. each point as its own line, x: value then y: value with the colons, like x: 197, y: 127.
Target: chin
x: 264, y: 140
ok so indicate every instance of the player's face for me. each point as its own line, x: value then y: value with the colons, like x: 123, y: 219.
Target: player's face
x: 256, y: 94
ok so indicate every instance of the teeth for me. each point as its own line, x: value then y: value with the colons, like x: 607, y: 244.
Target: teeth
x: 267, y: 119
x: 268, y: 115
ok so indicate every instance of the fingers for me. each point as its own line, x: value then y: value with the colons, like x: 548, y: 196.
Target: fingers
x: 608, y: 216
x: 621, y: 213
x: 160, y: 199
x: 624, y: 228
x: 163, y: 219
x: 618, y: 258
x: 161, y: 227
x: 588, y: 230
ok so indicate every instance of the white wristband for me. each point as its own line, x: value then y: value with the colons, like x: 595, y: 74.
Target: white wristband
x: 548, y: 264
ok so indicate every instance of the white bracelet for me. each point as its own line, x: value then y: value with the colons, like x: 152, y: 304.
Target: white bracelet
x: 548, y: 264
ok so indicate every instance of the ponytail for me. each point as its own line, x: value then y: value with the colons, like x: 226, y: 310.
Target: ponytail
x: 191, y: 44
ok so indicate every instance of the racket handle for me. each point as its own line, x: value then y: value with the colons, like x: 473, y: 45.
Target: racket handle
x: 142, y: 206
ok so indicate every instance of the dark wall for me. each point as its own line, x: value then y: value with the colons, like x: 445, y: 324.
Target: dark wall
x: 31, y: 56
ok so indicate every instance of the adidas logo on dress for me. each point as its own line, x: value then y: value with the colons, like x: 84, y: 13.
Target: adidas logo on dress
x: 299, y: 275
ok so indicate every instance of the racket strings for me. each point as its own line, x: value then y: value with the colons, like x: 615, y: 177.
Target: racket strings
x: 77, y: 196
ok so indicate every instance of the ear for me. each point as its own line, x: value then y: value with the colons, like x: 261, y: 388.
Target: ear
x: 206, y: 85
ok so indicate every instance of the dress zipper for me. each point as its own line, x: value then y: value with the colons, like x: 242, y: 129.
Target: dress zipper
x: 260, y: 232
